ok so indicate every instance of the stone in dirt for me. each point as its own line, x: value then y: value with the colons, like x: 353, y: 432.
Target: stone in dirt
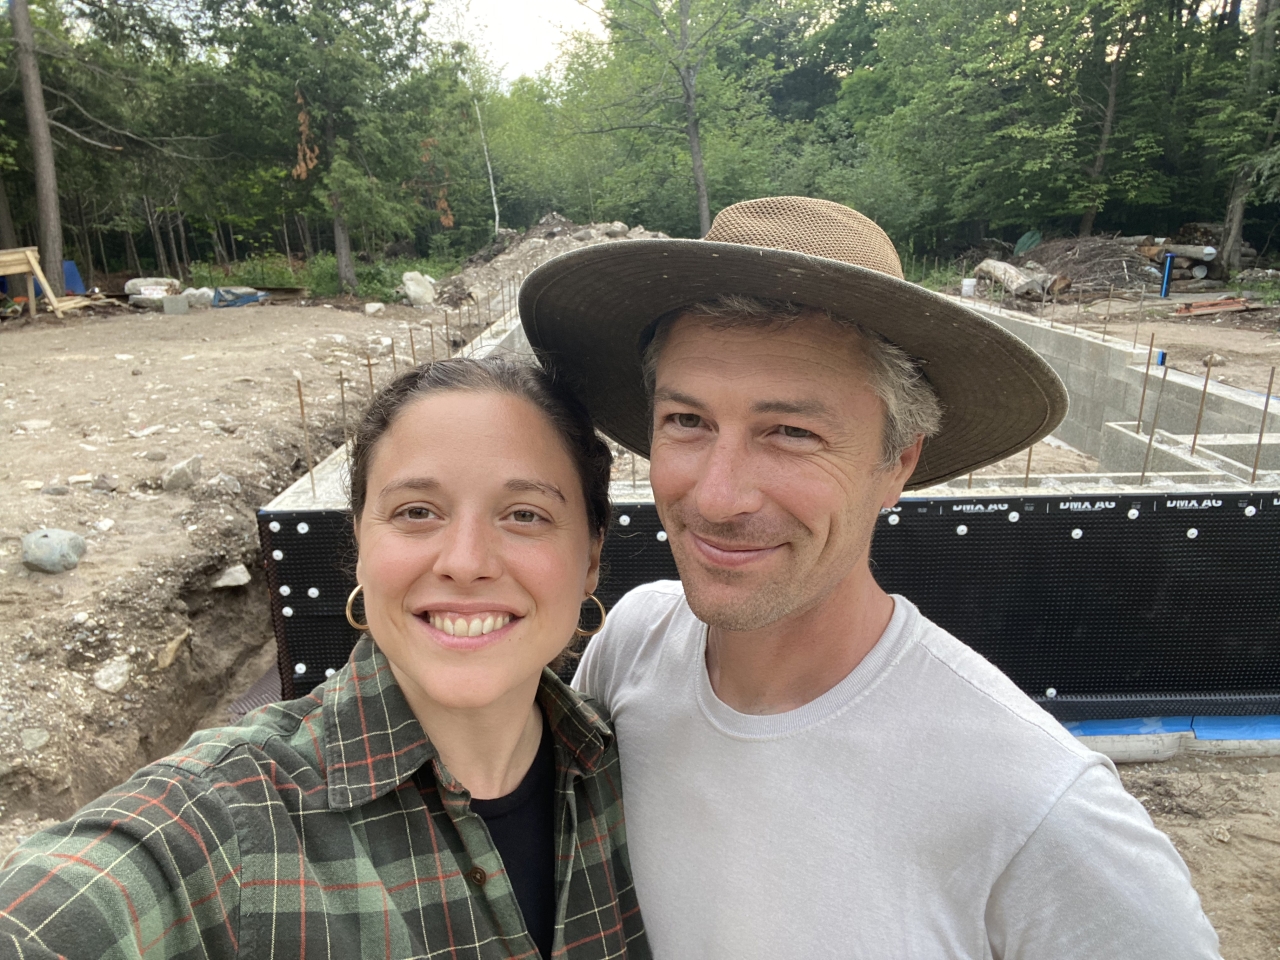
x: 55, y: 490
x: 33, y: 738
x: 371, y: 308
x: 586, y: 233
x: 236, y: 576
x: 52, y: 550
x: 113, y: 675
x: 103, y: 525
x: 224, y: 482
x: 182, y: 474
x: 33, y: 425
x: 105, y: 481
x: 420, y: 289
x: 157, y: 456
x: 1216, y: 359
x: 616, y: 229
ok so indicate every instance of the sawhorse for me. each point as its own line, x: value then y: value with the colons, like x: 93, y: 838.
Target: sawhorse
x: 20, y: 261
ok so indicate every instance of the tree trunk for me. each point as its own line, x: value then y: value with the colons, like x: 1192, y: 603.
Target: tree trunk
x: 132, y: 263
x: 689, y: 87
x: 1108, y: 124
x: 8, y: 236
x: 493, y: 191
x: 341, y: 238
x: 162, y: 260
x: 173, y: 246
x: 182, y: 240
x: 48, y: 212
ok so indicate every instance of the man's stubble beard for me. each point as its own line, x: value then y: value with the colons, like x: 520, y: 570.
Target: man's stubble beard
x: 748, y: 601
x: 750, y: 604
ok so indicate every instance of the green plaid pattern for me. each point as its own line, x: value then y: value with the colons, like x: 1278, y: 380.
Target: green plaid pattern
x: 323, y: 827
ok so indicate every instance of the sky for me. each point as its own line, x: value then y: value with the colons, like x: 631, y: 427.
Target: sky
x: 519, y: 36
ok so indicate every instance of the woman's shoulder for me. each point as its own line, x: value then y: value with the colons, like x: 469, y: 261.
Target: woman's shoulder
x: 290, y: 730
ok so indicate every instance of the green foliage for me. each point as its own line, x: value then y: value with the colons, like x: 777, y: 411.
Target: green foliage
x: 319, y: 274
x: 242, y: 125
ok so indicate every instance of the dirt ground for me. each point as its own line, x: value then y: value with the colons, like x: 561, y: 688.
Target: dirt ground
x: 128, y: 395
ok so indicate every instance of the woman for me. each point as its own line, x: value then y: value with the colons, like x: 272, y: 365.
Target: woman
x: 444, y: 794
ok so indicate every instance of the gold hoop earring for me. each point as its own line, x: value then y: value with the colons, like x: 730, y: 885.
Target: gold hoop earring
x: 351, y: 600
x: 579, y: 632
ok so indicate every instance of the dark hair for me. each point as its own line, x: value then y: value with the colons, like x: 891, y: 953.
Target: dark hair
x: 590, y: 455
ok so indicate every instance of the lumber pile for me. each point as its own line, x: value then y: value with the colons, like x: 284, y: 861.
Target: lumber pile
x: 1028, y: 281
x: 1196, y: 266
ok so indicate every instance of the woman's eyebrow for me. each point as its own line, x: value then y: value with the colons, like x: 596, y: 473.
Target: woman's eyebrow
x: 427, y: 484
x: 536, y: 486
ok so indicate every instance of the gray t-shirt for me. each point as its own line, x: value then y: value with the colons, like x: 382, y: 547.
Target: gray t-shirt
x: 921, y: 808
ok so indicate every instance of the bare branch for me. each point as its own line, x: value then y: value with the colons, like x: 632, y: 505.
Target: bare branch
x: 81, y: 136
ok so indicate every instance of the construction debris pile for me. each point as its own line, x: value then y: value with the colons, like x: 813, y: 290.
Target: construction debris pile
x: 1090, y: 267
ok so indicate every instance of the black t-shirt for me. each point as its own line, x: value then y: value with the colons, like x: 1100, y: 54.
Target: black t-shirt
x: 522, y: 825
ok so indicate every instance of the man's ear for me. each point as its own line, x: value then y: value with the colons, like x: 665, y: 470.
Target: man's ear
x: 901, y: 472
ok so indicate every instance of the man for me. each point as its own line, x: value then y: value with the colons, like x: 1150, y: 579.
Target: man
x: 812, y: 768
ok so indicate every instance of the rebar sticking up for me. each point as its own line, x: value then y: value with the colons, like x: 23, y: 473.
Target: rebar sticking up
x: 1208, y: 369
x: 1262, y: 430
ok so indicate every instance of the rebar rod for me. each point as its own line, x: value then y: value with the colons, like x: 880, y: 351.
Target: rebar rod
x: 1257, y: 453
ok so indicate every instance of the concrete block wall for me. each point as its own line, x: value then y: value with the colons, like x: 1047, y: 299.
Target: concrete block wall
x: 1104, y: 382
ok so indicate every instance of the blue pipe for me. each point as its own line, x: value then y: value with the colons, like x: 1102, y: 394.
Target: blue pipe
x: 1168, y: 274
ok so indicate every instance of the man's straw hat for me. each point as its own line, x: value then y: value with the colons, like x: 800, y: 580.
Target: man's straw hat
x: 589, y: 316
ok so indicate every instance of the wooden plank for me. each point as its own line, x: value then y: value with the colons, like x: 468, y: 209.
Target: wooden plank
x: 34, y: 260
x: 31, y: 293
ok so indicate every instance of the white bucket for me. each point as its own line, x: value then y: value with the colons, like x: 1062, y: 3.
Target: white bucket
x: 969, y: 287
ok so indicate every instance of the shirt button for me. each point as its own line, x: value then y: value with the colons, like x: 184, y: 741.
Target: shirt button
x: 477, y: 876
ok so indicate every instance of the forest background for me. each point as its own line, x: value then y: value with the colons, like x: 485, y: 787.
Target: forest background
x: 330, y: 143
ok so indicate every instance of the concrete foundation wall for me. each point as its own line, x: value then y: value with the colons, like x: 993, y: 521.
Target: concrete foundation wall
x: 1104, y: 381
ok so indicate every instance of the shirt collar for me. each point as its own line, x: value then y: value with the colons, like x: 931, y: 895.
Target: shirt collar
x: 374, y: 743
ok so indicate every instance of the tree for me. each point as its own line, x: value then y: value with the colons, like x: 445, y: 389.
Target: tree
x: 1252, y: 122
x: 672, y: 42
x: 46, y: 173
x: 329, y: 63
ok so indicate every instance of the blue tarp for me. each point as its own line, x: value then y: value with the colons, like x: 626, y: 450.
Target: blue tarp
x: 1114, y: 728
x: 1204, y: 728
x: 70, y: 276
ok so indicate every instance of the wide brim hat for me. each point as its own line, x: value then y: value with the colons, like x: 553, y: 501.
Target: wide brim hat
x: 590, y: 313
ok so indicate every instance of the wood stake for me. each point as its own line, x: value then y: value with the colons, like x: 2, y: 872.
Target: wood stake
x: 1204, y: 392
x: 1262, y: 429
x: 969, y: 486
x: 413, y: 350
x: 1155, y: 419
x: 306, y: 437
x: 342, y: 392
x: 1111, y: 292
x: 369, y: 366
x: 1075, y: 327
x: 448, y: 338
x: 1026, y: 479
x: 393, y: 356
x: 1151, y: 349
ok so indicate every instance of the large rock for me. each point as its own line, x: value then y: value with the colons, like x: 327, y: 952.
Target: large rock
x: 420, y: 290
x: 616, y: 229
x: 52, y: 551
x: 113, y: 675
x: 182, y: 474
x: 152, y: 286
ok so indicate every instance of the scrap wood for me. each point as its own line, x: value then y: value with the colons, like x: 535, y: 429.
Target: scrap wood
x: 1200, y: 307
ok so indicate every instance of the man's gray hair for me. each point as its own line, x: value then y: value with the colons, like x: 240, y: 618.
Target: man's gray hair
x: 911, y: 408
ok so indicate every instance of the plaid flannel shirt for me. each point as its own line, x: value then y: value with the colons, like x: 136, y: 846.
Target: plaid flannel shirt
x: 323, y: 827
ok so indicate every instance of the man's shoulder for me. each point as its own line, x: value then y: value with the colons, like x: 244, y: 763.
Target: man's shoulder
x: 978, y: 697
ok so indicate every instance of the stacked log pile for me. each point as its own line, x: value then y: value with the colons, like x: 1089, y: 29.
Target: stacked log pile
x: 1196, y: 267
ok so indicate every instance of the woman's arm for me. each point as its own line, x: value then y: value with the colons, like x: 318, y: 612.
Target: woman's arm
x: 151, y: 867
